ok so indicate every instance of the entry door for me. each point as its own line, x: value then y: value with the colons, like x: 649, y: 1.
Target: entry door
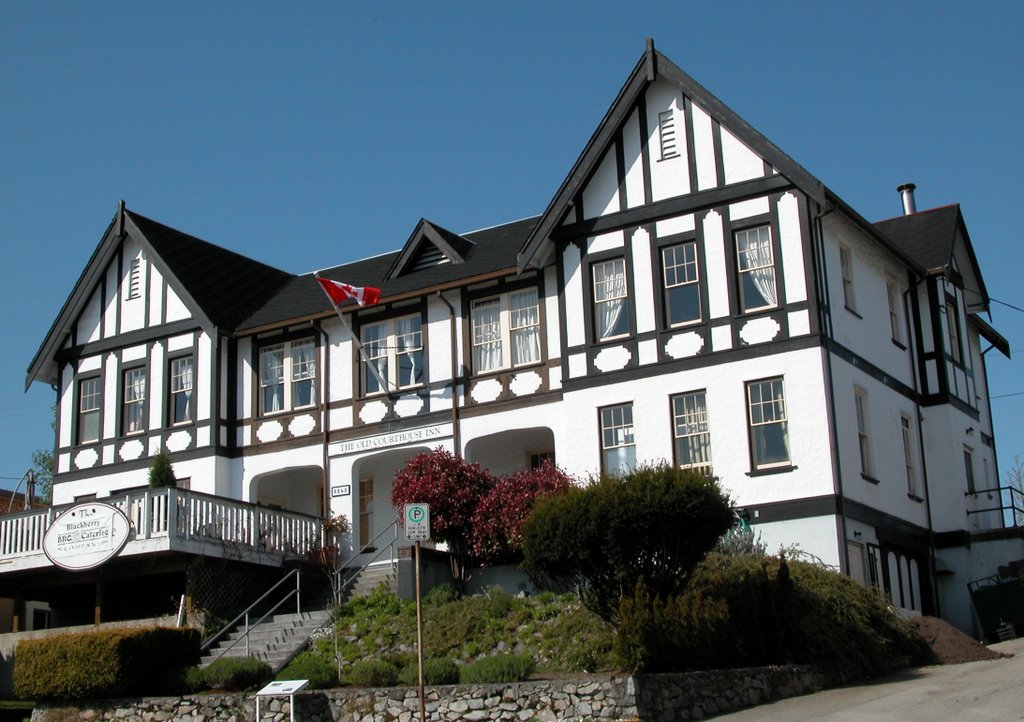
x: 365, y: 511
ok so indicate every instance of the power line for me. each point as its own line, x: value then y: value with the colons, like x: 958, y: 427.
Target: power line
x: 1003, y: 396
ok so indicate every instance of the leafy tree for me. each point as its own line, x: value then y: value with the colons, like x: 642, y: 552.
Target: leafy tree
x: 161, y: 473
x: 42, y: 464
x: 453, y: 488
x: 654, y: 524
x: 497, y: 532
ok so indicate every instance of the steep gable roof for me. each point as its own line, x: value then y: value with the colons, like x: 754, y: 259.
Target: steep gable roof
x: 489, y: 252
x: 653, y: 65
x: 198, y: 271
x: 430, y: 245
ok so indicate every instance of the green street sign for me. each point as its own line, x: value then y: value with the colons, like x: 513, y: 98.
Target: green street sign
x: 417, y: 522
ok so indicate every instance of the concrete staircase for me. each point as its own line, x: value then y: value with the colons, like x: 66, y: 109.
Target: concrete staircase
x: 280, y: 637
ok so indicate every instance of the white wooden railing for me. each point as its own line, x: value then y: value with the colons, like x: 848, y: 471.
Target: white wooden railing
x: 177, y: 514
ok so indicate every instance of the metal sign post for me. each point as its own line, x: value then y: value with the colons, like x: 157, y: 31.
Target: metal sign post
x: 417, y: 528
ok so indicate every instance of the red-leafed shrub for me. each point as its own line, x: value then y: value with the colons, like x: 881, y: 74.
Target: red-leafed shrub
x: 497, y: 536
x: 453, y: 488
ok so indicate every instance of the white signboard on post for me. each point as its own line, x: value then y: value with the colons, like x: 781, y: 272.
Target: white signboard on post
x: 86, y: 535
x: 417, y: 522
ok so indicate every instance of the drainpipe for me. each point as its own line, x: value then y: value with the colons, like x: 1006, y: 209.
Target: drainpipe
x: 924, y: 457
x: 818, y: 252
x: 325, y: 418
x: 456, y: 437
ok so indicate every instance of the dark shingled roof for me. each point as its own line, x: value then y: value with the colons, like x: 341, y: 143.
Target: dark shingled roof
x: 492, y: 249
x: 207, y: 272
x: 926, y: 236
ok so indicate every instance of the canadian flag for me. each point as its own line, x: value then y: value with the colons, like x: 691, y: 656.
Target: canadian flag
x: 340, y: 292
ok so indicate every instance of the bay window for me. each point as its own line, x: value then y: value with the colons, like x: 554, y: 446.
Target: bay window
x: 395, y: 349
x: 288, y: 376
x: 506, y: 331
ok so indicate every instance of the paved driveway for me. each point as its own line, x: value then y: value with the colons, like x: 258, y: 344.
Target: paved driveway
x: 992, y: 690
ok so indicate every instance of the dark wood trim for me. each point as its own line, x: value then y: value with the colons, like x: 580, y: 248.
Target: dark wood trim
x: 132, y: 338
x: 862, y: 364
x: 645, y: 147
x: 691, y: 145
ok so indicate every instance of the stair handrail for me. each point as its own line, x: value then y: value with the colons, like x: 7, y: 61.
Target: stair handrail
x: 298, y: 609
x: 390, y: 545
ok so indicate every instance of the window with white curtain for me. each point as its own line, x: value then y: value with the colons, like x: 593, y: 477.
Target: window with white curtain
x: 611, y: 305
x: 756, y: 266
x: 506, y: 331
x: 182, y: 372
x: 618, y: 443
x: 769, y: 424
x: 692, y: 435
x: 90, y: 399
x: 288, y: 376
x: 395, y: 349
x: 133, y: 399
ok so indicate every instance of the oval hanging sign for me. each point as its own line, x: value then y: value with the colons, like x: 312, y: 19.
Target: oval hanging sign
x: 86, y: 535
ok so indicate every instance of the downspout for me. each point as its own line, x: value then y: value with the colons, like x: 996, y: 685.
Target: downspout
x: 818, y: 252
x: 456, y: 436
x: 325, y: 418
x: 932, y: 579
x: 992, y: 426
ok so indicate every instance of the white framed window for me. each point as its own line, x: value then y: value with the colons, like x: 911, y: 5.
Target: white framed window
x: 287, y: 376
x: 682, y: 283
x: 953, y: 329
x: 611, y: 304
x: 506, y: 331
x: 969, y: 469
x: 756, y: 267
x: 860, y: 401
x: 690, y: 427
x: 182, y: 372
x: 908, y: 454
x: 395, y: 348
x: 618, y: 443
x: 90, y: 401
x: 892, y: 295
x: 846, y: 266
x: 133, y: 399
x: 769, y: 425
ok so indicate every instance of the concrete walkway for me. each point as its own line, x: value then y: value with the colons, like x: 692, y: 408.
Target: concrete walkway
x: 992, y: 690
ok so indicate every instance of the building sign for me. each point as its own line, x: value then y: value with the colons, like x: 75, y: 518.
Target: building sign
x: 424, y: 434
x: 86, y: 535
x: 343, y: 490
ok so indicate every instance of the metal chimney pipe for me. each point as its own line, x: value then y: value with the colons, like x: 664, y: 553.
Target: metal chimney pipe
x: 907, y: 192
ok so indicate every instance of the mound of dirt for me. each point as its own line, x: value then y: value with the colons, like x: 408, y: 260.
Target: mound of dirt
x: 949, y: 644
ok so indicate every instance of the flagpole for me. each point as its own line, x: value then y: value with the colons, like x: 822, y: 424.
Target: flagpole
x: 362, y: 352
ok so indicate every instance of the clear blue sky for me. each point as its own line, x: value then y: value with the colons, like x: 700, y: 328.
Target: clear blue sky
x: 310, y: 134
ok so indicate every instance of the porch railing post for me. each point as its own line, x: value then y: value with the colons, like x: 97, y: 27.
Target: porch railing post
x: 247, y: 634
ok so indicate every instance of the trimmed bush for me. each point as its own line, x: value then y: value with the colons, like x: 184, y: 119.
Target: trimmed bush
x: 101, y: 664
x: 372, y: 673
x: 499, y: 668
x: 237, y: 674
x: 435, y: 672
x: 318, y: 670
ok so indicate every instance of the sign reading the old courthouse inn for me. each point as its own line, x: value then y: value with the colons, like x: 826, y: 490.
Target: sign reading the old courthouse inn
x: 86, y: 535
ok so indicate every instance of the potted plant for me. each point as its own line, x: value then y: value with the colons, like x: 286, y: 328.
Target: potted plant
x: 324, y: 547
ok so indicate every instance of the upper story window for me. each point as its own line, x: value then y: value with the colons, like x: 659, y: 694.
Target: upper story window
x: 682, y: 283
x: 692, y: 435
x: 860, y: 401
x: 90, y: 401
x: 618, y: 444
x: 611, y: 304
x: 769, y: 424
x: 133, y: 395
x: 182, y: 379
x: 953, y: 329
x: 846, y: 267
x: 287, y: 376
x: 506, y: 331
x: 892, y: 295
x: 969, y: 469
x: 756, y: 267
x: 395, y: 349
x: 908, y: 454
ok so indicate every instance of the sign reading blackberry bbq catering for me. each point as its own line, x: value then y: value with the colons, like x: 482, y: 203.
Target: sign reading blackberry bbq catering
x: 86, y: 535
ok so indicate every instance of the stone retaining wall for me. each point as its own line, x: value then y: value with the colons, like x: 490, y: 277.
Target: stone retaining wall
x: 650, y: 698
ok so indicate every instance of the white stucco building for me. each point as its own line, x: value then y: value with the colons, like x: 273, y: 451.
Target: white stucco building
x: 690, y: 294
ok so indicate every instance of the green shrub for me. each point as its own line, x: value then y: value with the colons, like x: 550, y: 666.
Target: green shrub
x: 372, y: 673
x: 499, y: 668
x: 441, y: 594
x: 435, y: 672
x: 320, y: 671
x: 654, y: 524
x: 101, y: 664
x: 237, y: 673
